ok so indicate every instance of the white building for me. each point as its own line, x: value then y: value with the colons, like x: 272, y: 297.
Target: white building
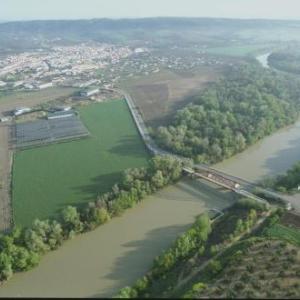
x: 18, y: 83
x: 28, y: 86
x: 45, y: 85
x: 89, y: 93
x: 60, y: 115
x: 21, y: 110
x: 2, y: 83
x: 5, y: 119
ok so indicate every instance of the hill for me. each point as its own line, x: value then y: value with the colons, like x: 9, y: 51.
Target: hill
x: 156, y: 31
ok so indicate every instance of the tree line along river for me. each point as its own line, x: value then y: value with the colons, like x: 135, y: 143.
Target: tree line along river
x: 116, y: 254
x: 99, y: 263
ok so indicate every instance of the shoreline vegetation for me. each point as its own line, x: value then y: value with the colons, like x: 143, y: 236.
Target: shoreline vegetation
x: 23, y: 247
x: 249, y: 104
x: 204, y: 241
x: 202, y: 260
x: 289, y: 182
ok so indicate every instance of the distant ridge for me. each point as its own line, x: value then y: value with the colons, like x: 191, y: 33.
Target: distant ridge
x: 166, y: 30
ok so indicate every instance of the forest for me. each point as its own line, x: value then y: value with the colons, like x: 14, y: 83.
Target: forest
x: 286, y: 60
x: 248, y: 104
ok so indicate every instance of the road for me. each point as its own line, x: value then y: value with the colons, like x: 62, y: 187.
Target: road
x: 6, y: 156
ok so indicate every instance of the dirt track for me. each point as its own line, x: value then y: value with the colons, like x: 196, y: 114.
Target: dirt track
x: 5, y: 174
x: 159, y: 96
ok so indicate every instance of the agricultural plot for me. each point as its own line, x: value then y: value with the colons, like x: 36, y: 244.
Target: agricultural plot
x: 267, y: 269
x: 289, y: 234
x: 11, y: 100
x: 43, y: 132
x: 46, y: 179
x: 287, y: 229
x: 160, y: 95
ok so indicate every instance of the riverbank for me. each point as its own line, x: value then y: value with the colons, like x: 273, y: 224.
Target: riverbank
x: 273, y: 155
x: 117, y: 253
x: 99, y: 263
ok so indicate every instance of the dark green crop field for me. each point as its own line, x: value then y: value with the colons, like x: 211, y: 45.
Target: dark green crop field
x: 48, y: 178
x: 289, y: 234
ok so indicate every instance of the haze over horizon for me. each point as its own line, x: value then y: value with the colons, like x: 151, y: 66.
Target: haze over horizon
x: 15, y: 10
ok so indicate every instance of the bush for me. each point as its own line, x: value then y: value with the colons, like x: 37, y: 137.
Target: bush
x: 196, y: 289
x: 214, y: 267
x: 251, y: 204
x: 127, y: 292
x: 213, y: 250
x: 141, y: 284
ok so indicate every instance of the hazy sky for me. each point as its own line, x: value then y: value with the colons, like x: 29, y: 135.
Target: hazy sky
x: 74, y: 9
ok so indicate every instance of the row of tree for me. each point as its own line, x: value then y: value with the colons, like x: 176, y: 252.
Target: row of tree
x: 250, y: 103
x: 192, y: 239
x: 22, y: 248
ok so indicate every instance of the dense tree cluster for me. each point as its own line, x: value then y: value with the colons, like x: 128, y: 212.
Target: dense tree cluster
x: 250, y: 103
x: 288, y: 182
x: 286, y: 60
x: 22, y: 248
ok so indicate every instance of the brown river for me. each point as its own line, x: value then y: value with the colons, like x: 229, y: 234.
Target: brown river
x: 101, y: 262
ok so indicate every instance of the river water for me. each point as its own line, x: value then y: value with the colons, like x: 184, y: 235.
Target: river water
x: 273, y: 155
x: 99, y: 263
x: 116, y: 254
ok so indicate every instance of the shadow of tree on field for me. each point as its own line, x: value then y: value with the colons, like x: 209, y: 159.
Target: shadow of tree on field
x: 97, y: 186
x: 138, y: 258
x: 129, y: 146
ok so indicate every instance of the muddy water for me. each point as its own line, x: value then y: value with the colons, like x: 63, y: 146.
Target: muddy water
x: 116, y: 254
x: 101, y: 262
x: 273, y: 155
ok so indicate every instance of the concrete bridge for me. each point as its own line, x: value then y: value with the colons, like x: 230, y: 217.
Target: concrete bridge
x: 223, y: 181
x: 233, y: 183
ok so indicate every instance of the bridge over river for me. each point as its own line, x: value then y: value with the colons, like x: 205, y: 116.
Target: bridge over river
x: 227, y: 181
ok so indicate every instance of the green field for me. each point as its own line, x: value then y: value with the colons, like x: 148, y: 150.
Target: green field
x: 46, y: 179
x: 289, y: 234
